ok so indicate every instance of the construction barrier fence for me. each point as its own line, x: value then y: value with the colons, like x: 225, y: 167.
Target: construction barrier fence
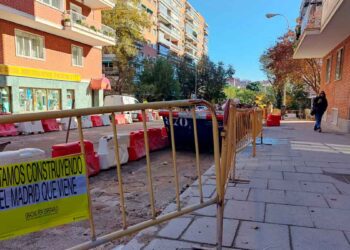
x: 241, y: 128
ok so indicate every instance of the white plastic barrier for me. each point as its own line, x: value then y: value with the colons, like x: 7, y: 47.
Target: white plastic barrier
x: 106, y: 151
x: 30, y: 127
x: 21, y: 155
x: 128, y: 118
x: 65, y: 123
x: 105, y: 120
x: 86, y: 122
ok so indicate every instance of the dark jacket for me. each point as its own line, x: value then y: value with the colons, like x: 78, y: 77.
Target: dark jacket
x: 320, y: 104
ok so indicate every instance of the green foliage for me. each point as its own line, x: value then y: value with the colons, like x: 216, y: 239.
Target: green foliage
x: 254, y: 86
x: 157, y: 81
x: 297, y: 97
x: 186, y: 74
x: 128, y: 22
x: 212, y: 79
x: 245, y: 96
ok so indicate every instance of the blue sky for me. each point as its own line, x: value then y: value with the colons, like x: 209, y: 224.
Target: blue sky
x: 239, y: 32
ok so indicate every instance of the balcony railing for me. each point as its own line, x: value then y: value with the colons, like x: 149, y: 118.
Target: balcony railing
x: 312, y: 18
x: 77, y: 20
x: 171, y: 5
x: 191, y: 46
x: 171, y: 32
x: 169, y: 19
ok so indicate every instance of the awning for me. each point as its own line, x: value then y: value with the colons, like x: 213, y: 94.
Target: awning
x: 100, y: 83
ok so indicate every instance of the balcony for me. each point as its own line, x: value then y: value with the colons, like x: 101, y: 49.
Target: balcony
x: 173, y: 33
x: 79, y: 28
x: 164, y: 41
x: 175, y: 48
x: 170, y: 4
x: 168, y: 19
x: 190, y: 46
x: 103, y: 36
x: 323, y: 27
x: 99, y: 4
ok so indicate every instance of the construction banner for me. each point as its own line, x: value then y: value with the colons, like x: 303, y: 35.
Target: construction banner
x: 42, y: 194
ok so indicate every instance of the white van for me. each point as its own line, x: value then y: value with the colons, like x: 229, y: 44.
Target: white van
x: 117, y: 100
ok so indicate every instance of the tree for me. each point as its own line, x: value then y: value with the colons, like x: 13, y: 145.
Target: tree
x: 186, y: 74
x: 281, y: 68
x: 157, y: 81
x: 128, y: 22
x: 212, y: 79
x: 254, y: 86
x: 245, y: 96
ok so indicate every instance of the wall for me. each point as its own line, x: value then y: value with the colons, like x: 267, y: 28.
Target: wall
x: 58, y: 53
x: 25, y: 6
x: 338, y: 91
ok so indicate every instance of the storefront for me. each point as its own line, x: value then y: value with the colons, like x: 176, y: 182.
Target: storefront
x: 20, y: 93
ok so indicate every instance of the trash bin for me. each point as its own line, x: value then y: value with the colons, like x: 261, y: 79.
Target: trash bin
x: 183, y: 129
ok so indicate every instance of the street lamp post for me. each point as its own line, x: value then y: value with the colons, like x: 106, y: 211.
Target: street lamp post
x: 269, y: 16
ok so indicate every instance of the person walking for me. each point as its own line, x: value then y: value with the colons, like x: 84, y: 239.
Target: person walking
x: 319, y: 107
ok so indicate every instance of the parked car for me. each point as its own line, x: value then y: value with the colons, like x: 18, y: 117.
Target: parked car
x: 201, y: 108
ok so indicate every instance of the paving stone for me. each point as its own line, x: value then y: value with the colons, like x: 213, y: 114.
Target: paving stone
x: 316, y: 239
x: 203, y: 230
x: 344, y: 171
x: 274, y: 163
x: 338, y: 201
x: 325, y: 178
x: 263, y: 195
x: 254, y: 235
x: 287, y: 214
x: 161, y: 244
x: 175, y: 228
x: 207, y: 211
x: 236, y: 193
x: 305, y: 199
x: 283, y: 168
x: 259, y: 168
x: 330, y: 218
x: 317, y: 163
x: 284, y: 185
x: 319, y: 187
x: 207, y: 190
x: 253, y: 183
x: 245, y: 210
x: 312, y: 170
x: 344, y: 188
x: 298, y: 176
x: 260, y: 174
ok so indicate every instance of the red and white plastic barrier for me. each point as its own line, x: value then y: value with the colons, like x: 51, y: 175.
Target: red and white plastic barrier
x: 106, y: 151
x: 50, y: 125
x: 96, y: 121
x: 65, y: 123
x: 21, y: 155
x: 86, y: 122
x: 72, y: 148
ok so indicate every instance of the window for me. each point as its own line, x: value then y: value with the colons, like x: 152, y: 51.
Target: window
x: 53, y: 99
x: 39, y: 99
x: 328, y: 69
x: 57, y: 4
x: 70, y: 98
x: 29, y: 45
x: 5, y: 100
x: 77, y: 56
x: 339, y: 65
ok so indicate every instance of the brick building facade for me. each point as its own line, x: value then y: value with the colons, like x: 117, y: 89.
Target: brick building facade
x: 325, y: 34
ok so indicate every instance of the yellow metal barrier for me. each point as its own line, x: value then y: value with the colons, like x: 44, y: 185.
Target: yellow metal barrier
x: 241, y: 127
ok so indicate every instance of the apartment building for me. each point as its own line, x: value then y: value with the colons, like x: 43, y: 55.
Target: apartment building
x: 50, y: 54
x: 325, y: 34
x: 182, y: 30
x: 177, y: 29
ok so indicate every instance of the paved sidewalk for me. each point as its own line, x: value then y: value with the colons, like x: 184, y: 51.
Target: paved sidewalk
x: 298, y: 198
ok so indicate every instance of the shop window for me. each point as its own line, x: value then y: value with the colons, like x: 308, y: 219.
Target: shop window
x: 39, y: 99
x: 25, y: 100
x: 70, y: 98
x: 328, y: 69
x: 339, y: 65
x: 77, y: 56
x: 53, y: 99
x: 29, y: 45
x: 5, y: 100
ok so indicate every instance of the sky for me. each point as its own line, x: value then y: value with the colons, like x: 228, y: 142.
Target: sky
x: 239, y: 32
